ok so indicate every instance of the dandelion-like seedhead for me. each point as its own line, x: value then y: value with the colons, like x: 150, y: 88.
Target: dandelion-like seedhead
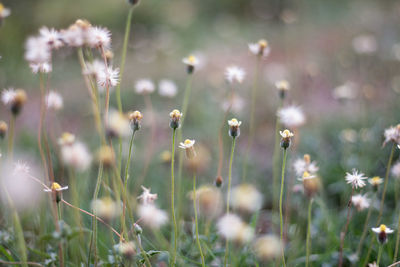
x: 146, y: 197
x: 151, y: 216
x: 234, y: 74
x: 54, y: 101
x: 167, y: 88
x: 210, y: 201
x: 392, y: 134
x: 144, y: 86
x: 356, y: 179
x: 267, y: 247
x: 361, y: 202
x: 234, y: 127
x: 246, y: 198
x: 232, y: 228
x: 126, y: 249
x: 291, y: 116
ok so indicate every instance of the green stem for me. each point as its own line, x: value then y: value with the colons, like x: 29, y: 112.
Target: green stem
x: 143, y: 252
x: 346, y: 227
x: 379, y: 255
x: 196, y: 221
x: 228, y: 196
x: 276, y: 157
x: 280, y: 204
x: 173, y: 200
x: 396, y: 250
x: 252, y: 119
x: 308, y: 242
x: 123, y: 57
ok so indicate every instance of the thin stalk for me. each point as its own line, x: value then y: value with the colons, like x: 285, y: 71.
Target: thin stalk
x: 276, y: 157
x: 229, y: 195
x: 252, y: 118
x: 11, y: 137
x: 196, y: 221
x: 396, y: 250
x: 343, y: 233
x: 364, y: 233
x: 308, y: 242
x: 379, y: 255
x: 280, y: 204
x: 173, y: 200
x: 123, y: 57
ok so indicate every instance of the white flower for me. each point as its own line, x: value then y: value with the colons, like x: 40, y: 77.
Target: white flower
x: 396, y: 170
x: 365, y: 44
x: 345, y: 91
x: 382, y: 232
x: 191, y: 61
x: 282, y: 85
x: 52, y: 37
x: 261, y: 48
x: 151, y: 216
x: 37, y: 50
x: 392, y: 134
x: 246, y: 197
x: 55, y: 187
x: 97, y: 37
x: 360, y: 202
x: 4, y: 12
x: 373, y: 264
x: 355, y: 179
x: 210, y: 201
x: 73, y: 36
x: 234, y: 123
x: 146, y: 197
x: 21, y: 167
x: 267, y: 247
x: 375, y: 181
x: 44, y: 67
x: 8, y: 96
x: 94, y: 68
x: 231, y: 227
x: 286, y: 134
x: 167, y: 88
x: 187, y: 144
x: 54, y: 101
x: 76, y: 155
x: 108, y: 77
x: 301, y: 166
x: 235, y: 74
x: 144, y: 86
x: 291, y: 116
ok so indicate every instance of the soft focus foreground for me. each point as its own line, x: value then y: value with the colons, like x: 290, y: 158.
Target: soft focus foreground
x: 207, y: 133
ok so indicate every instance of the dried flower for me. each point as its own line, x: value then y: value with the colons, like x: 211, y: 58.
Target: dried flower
x: 311, y: 184
x: 382, y: 232
x: 105, y: 155
x: 234, y: 130
x: 108, y: 77
x: 355, y: 179
x: 98, y: 37
x: 127, y: 249
x: 146, y: 197
x: 188, y: 146
x: 361, y: 202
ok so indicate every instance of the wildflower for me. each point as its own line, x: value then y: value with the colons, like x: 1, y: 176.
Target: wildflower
x: 267, y: 247
x: 376, y: 181
x: 108, y: 77
x: 396, y: 170
x: 73, y: 36
x: 234, y: 130
x: 246, y: 198
x: 52, y: 37
x: 134, y: 119
x: 117, y: 124
x: 43, y: 67
x: 283, y: 86
x: 66, y: 139
x: 286, y: 138
x: 210, y: 201
x: 305, y: 165
x: 75, y: 154
x: 365, y: 44
x: 14, y: 98
x: 21, y: 167
x: 94, y: 68
x: 127, y: 249
x: 235, y: 74
x: 37, y: 50
x: 105, y: 155
x: 56, y: 189
x: 151, y: 216
x: 392, y: 134
x: 54, y: 100
x: 175, y: 116
x: 188, y: 146
x: 191, y: 62
x: 3, y: 129
x: 106, y: 208
x: 146, y: 197
x: 261, y: 48
x: 4, y: 12
x: 144, y: 86
x: 291, y: 116
x: 231, y: 227
x: 382, y: 232
x: 360, y: 202
x: 346, y: 91
x: 98, y: 37
x: 355, y: 179
x: 167, y: 88
x: 311, y: 184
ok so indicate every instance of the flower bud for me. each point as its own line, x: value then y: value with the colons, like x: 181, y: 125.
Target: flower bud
x: 133, y: 2
x: 311, y: 184
x: 282, y: 86
x: 175, y: 116
x: 234, y: 130
x: 3, y: 129
x: 135, y: 119
x: 218, y: 181
x: 138, y: 230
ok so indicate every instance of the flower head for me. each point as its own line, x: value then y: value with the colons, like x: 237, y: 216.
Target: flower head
x: 37, y: 50
x: 231, y: 227
x: 151, y: 216
x: 3, y: 129
x: 355, y: 179
x: 235, y: 74
x: 144, y: 86
x: 117, y: 124
x: 286, y: 138
x: 209, y: 200
x: 4, y: 12
x: 191, y: 62
x: 43, y: 67
x: 396, y: 170
x: 54, y: 101
x: 291, y: 116
x: 283, y: 86
x: 146, y: 197
x: 135, y: 118
x: 392, y: 134
x: 304, y: 164
x: 52, y: 37
x: 375, y: 181
x: 261, y: 48
x: 97, y: 37
x: 106, y: 208
x: 234, y: 130
x: 361, y: 202
x: 56, y: 189
x: 365, y: 44
x: 14, y: 98
x: 74, y: 154
x: 267, y: 247
x: 382, y: 232
x: 175, y: 116
x: 108, y: 77
x: 167, y: 88
x: 311, y: 184
x: 246, y: 197
x: 66, y: 139
x: 188, y: 146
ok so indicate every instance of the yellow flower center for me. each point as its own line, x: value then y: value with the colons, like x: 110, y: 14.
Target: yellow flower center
x: 263, y: 43
x: 375, y: 179
x: 382, y: 228
x: 306, y: 174
x: 234, y: 120
x: 286, y: 132
x: 192, y: 59
x: 188, y: 142
x: 55, y: 186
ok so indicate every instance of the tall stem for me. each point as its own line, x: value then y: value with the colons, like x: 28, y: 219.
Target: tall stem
x: 196, y: 221
x: 280, y: 204
x: 308, y: 242
x: 123, y: 57
x: 276, y: 158
x: 379, y: 254
x: 396, y: 250
x: 343, y: 233
x: 252, y: 119
x: 173, y: 200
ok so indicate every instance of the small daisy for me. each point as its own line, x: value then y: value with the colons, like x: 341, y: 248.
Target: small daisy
x: 355, y: 179
x: 261, y: 48
x: 191, y: 62
x: 291, y: 116
x: 234, y: 130
x: 52, y: 37
x: 144, y: 86
x: 188, y: 146
x: 376, y: 180
x: 282, y: 85
x: 44, y: 67
x: 286, y: 138
x: 235, y: 74
x: 97, y: 37
x: 167, y: 88
x: 146, y: 197
x: 55, y: 187
x: 382, y: 232
x: 360, y: 202
x: 54, y: 101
